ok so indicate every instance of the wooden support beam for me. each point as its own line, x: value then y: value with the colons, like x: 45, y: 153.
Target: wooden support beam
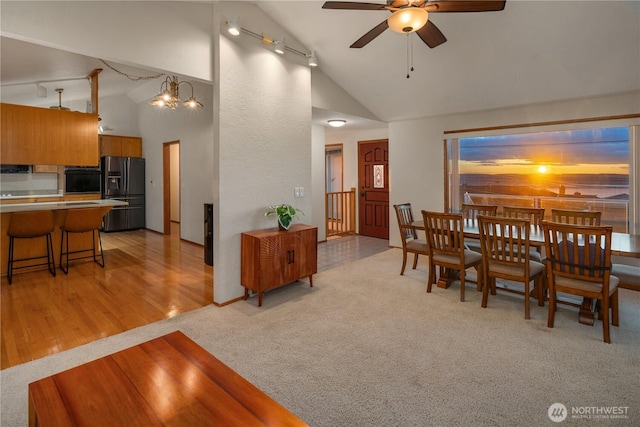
x: 93, y: 79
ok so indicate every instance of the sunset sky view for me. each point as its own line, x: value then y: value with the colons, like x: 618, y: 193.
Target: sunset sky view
x: 592, y: 151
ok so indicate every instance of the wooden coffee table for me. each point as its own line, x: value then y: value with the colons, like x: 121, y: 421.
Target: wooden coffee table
x: 169, y: 380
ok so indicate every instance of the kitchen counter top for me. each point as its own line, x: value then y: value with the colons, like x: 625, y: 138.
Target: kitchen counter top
x: 39, y: 206
x: 11, y: 195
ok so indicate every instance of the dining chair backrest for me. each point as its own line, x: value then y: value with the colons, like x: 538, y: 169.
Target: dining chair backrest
x: 444, y: 233
x: 471, y: 212
x: 506, y: 255
x: 505, y: 240
x: 565, y: 216
x: 405, y: 218
x: 580, y: 252
x: 534, y: 215
x: 579, y: 263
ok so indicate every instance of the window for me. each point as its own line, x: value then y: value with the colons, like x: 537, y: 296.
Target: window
x: 586, y: 169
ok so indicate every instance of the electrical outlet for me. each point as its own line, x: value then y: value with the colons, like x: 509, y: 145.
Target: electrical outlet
x: 296, y: 192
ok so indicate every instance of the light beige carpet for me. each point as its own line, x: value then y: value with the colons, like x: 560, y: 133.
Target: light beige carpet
x: 368, y: 347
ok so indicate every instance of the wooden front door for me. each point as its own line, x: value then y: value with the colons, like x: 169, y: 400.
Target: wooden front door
x: 373, y: 182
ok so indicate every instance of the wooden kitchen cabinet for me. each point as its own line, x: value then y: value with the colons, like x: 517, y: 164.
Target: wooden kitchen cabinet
x: 44, y: 136
x: 116, y: 145
x: 273, y: 257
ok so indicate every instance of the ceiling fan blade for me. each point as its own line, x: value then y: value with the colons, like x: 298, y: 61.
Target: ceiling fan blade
x: 372, y: 34
x: 465, y: 6
x: 431, y: 35
x: 349, y: 5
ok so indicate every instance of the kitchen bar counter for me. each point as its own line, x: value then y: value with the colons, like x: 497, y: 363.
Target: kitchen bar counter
x: 35, y: 247
x: 53, y: 206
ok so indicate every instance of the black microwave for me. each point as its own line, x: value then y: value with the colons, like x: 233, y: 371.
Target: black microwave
x: 82, y: 180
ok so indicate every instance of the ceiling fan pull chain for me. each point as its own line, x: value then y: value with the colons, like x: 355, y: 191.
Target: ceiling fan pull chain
x: 408, y: 56
x: 411, y: 53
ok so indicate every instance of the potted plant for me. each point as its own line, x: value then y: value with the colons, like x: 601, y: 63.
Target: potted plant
x: 285, y: 214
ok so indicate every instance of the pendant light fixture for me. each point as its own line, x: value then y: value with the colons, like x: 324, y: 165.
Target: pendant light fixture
x: 169, y: 95
x: 59, y: 106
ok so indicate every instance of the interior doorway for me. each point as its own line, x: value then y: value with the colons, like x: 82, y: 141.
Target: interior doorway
x: 373, y: 188
x: 171, y: 186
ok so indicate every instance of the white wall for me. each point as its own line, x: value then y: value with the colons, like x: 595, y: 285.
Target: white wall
x: 264, y: 144
x: 317, y: 179
x: 120, y: 114
x: 416, y: 149
x: 194, y: 130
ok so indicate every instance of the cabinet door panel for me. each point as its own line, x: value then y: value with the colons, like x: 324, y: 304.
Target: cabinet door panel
x: 308, y: 248
x: 33, y: 135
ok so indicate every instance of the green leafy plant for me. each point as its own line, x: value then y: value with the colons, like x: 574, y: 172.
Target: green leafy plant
x: 285, y: 214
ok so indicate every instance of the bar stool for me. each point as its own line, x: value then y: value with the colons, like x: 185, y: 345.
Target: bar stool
x: 82, y: 220
x: 31, y: 225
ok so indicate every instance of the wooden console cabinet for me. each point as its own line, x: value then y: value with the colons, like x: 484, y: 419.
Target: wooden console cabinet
x: 273, y: 257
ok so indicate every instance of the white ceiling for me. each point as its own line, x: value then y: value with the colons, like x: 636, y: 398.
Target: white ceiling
x: 531, y: 52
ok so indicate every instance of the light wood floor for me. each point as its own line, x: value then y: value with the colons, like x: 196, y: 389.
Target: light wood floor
x: 147, y: 277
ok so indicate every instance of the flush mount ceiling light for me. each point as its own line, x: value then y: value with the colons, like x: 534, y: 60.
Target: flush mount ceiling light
x: 408, y: 20
x: 169, y: 95
x: 336, y: 123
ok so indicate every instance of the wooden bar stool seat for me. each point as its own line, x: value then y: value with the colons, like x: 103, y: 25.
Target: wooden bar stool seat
x: 84, y: 220
x: 31, y: 225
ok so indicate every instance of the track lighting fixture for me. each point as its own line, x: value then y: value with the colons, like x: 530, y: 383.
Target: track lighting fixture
x: 278, y: 47
x: 313, y: 60
x: 233, y: 27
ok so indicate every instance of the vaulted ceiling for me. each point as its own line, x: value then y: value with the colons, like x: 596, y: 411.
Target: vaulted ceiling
x: 531, y: 52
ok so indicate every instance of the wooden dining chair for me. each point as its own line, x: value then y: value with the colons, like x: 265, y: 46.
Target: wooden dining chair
x: 566, y: 216
x: 506, y: 255
x: 411, y: 244
x: 445, y: 240
x: 579, y: 263
x: 470, y: 214
x: 535, y: 217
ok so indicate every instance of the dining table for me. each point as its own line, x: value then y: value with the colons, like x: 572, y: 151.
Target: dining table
x: 622, y: 244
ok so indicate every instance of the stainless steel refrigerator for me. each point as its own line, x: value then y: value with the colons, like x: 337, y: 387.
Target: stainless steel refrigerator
x: 123, y: 179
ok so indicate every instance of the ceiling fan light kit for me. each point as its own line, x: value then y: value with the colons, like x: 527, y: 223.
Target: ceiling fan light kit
x: 408, y: 20
x: 408, y: 16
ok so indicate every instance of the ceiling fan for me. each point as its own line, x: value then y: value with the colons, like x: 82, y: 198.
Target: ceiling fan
x: 408, y: 16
